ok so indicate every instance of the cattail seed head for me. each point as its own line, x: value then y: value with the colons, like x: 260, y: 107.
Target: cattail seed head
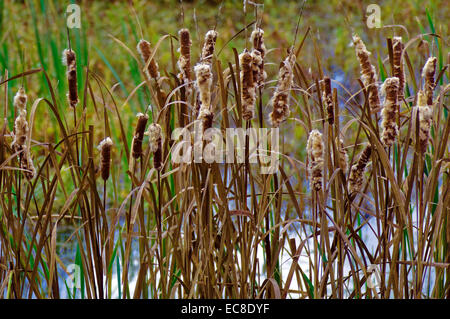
x: 280, y: 99
x: 206, y: 116
x: 136, y: 148
x: 390, y: 111
x: 428, y: 73
x: 328, y: 100
x: 368, y: 74
x: 154, y: 133
x: 105, y: 157
x: 398, y: 71
x: 259, y: 53
x: 208, y: 46
x: 343, y: 157
x: 425, y: 120
x: 356, y: 177
x: 69, y: 59
x: 184, y: 62
x: 204, y: 81
x: 145, y: 50
x: 247, y: 85
x: 314, y: 150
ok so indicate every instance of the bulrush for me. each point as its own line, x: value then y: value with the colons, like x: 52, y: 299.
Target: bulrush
x: 428, y: 72
x: 136, y: 146
x: 328, y: 100
x: 390, y: 111
x: 184, y: 62
x: 203, y: 82
x: 368, y: 74
x: 280, y: 99
x: 154, y: 133
x: 259, y: 53
x: 248, y: 85
x: 105, y: 157
x: 356, y: 177
x: 314, y: 150
x: 145, y: 50
x: 21, y: 131
x: 208, y: 47
x: 425, y: 120
x: 397, y: 51
x: 69, y: 59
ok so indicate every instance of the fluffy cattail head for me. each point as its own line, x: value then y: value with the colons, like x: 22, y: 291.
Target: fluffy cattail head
x: 428, y: 73
x: 425, y: 120
x: 184, y: 62
x: 259, y: 53
x: 69, y: 59
x: 105, y: 157
x: 314, y: 150
x: 390, y: 111
x: 207, y: 117
x: 328, y: 100
x: 20, y: 124
x: 208, y: 46
x: 145, y: 50
x: 280, y: 99
x: 136, y: 149
x: 356, y: 177
x: 204, y: 81
x: 397, y: 51
x: 20, y: 99
x: 368, y: 74
x: 248, y: 85
x: 154, y: 133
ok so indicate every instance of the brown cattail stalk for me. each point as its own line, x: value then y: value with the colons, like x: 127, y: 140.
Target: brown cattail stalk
x: 105, y: 157
x: 69, y: 59
x: 208, y: 47
x: 314, y: 150
x: 145, y: 50
x: 136, y: 148
x: 21, y: 131
x: 280, y: 99
x: 328, y: 99
x: 428, y: 73
x: 154, y: 133
x: 356, y: 177
x: 248, y: 93
x: 425, y: 120
x: 398, y: 71
x: 184, y: 62
x: 259, y: 53
x: 390, y: 111
x: 368, y: 74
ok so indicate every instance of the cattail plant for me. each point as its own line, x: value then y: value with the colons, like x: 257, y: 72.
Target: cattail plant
x: 356, y: 177
x: 390, y: 111
x: 368, y: 74
x: 398, y: 71
x: 328, y: 100
x: 184, y: 62
x: 425, y: 120
x: 69, y: 59
x: 247, y: 85
x: 154, y: 133
x: 203, y: 82
x: 136, y: 145
x: 105, y: 157
x: 428, y: 73
x: 21, y: 131
x: 145, y: 50
x: 280, y: 99
x: 208, y: 47
x: 258, y: 53
x: 314, y: 150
